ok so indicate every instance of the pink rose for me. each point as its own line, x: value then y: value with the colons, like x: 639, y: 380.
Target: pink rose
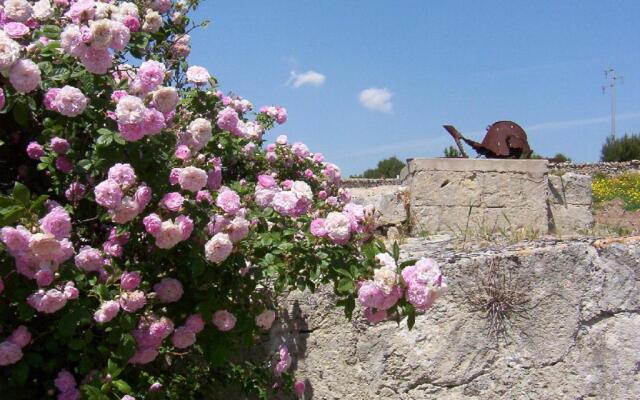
x: 224, y: 320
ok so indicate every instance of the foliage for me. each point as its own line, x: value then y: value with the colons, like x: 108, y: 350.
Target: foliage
x: 147, y: 227
x: 387, y: 168
x: 625, y: 186
x: 625, y: 148
x: 560, y: 158
x: 451, y: 152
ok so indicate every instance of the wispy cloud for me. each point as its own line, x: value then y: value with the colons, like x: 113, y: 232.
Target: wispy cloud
x: 310, y: 78
x: 376, y: 99
x: 544, y: 126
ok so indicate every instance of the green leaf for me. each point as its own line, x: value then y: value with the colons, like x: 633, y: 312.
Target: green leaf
x: 38, y: 203
x: 396, y: 251
x: 345, y: 286
x: 122, y: 386
x: 6, y: 201
x: 21, y: 114
x: 344, y: 272
x: 411, y: 320
x: 9, y: 215
x: 21, y: 193
x: 21, y: 373
x: 105, y: 131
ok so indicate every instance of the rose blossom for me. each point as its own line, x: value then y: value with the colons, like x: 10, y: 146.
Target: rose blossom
x: 338, y: 227
x: 229, y: 201
x: 169, y: 235
x: 285, y: 361
x: 9, y: 353
x: 108, y: 194
x: 192, y: 179
x: 89, y: 259
x: 152, y: 224
x: 198, y: 75
x: 20, y: 336
x: 218, y: 248
x: 123, y: 175
x: 59, y: 145
x: 64, y: 164
x: 70, y: 101
x: 224, y: 320
x: 35, y: 150
x: 130, y: 110
x: 57, y: 222
x: 317, y: 227
x: 183, y: 337
x: 107, y: 311
x: 16, y: 30
x: 132, y: 301
x: 25, y: 76
x: 130, y: 280
x: 166, y: 99
x: 172, y: 201
x: 195, y: 323
x: 265, y: 319
x: 168, y: 290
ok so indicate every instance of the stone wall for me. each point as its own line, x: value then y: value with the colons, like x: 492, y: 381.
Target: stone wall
x: 574, y: 335
x: 604, y: 168
x: 457, y: 195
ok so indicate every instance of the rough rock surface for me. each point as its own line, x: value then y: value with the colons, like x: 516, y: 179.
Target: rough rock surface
x: 575, y: 335
x: 390, y: 203
x: 570, y: 203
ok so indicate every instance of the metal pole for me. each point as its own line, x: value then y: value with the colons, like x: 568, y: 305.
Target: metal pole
x: 613, y: 105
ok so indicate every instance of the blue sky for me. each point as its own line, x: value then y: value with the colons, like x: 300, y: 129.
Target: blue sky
x: 469, y: 63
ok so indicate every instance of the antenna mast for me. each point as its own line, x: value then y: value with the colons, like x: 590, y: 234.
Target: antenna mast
x: 612, y: 78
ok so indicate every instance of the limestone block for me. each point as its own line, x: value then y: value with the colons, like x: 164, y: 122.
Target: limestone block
x: 568, y: 219
x: 502, y: 194
x: 570, y: 188
x: 391, y: 208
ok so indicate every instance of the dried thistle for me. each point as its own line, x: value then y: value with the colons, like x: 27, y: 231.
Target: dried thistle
x: 498, y: 295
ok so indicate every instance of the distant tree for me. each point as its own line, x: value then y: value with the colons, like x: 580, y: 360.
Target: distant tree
x: 387, y: 168
x: 625, y: 148
x: 560, y: 158
x: 535, y: 156
x: 451, y: 152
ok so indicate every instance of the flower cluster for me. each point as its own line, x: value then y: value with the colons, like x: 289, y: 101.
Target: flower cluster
x: 66, y: 385
x: 120, y: 194
x: 149, y: 335
x: 38, y: 253
x: 52, y: 300
x: 11, y: 348
x: 149, y: 197
x: 421, y: 285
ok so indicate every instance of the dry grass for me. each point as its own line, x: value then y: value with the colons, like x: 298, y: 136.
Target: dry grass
x: 498, y: 295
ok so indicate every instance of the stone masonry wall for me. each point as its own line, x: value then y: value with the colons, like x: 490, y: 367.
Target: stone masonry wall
x: 575, y: 335
x: 456, y: 195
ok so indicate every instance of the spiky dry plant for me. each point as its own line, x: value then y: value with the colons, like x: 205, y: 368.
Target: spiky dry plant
x: 500, y: 297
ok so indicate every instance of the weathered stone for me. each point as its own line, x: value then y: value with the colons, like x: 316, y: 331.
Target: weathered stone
x: 390, y: 203
x: 450, y: 195
x: 575, y: 335
x: 570, y: 188
x: 570, y: 201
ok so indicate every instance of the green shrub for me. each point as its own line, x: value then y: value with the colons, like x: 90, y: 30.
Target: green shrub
x: 625, y: 148
x: 451, y: 152
x: 387, y: 168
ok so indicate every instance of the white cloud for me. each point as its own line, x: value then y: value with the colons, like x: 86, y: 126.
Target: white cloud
x: 376, y: 99
x: 311, y: 78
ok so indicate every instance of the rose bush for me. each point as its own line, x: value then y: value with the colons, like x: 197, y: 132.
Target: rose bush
x: 148, y: 227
